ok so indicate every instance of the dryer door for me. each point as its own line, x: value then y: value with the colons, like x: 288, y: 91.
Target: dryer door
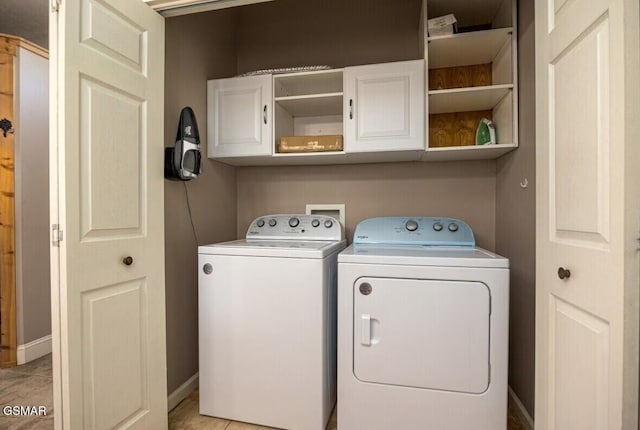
x: 422, y: 333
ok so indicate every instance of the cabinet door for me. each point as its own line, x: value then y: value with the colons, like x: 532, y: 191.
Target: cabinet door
x: 239, y: 116
x: 384, y: 107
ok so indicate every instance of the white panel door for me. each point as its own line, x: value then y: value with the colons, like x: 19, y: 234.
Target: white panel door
x: 239, y: 112
x: 587, y: 214
x: 384, y: 107
x: 107, y: 191
x: 422, y: 333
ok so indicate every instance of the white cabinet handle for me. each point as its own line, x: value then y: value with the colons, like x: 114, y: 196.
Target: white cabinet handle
x: 350, y: 108
x: 264, y: 114
x: 365, y: 320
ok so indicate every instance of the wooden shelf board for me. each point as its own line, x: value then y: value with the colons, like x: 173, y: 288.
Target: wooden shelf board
x: 467, y: 99
x: 312, y: 105
x: 464, y: 49
x: 480, y: 152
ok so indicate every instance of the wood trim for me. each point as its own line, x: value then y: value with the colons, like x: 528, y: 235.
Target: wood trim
x: 34, y: 350
x: 9, y: 45
x: 8, y: 338
x: 521, y: 411
x: 183, y: 391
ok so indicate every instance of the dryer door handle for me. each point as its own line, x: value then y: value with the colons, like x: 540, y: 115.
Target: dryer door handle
x: 365, y: 320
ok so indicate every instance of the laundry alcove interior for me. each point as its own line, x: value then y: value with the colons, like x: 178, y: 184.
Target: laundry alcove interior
x: 495, y: 196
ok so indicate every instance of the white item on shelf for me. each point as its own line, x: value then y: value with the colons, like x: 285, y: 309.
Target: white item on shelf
x: 282, y: 70
x: 442, y: 25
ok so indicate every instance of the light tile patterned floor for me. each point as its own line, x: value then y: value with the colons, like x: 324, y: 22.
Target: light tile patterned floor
x: 30, y: 384
x: 186, y: 417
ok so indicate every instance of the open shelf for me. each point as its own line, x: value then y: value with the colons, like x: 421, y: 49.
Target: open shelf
x: 467, y: 99
x: 308, y: 83
x: 312, y: 105
x: 472, y: 152
x: 464, y: 49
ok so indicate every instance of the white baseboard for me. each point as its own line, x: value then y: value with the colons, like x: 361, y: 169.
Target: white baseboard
x: 35, y: 349
x: 182, y: 392
x: 524, y: 416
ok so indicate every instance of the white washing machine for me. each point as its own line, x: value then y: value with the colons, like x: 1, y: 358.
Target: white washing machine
x: 422, y: 328
x: 267, y: 323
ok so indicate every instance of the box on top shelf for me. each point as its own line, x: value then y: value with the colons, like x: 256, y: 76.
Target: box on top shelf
x: 442, y: 25
x: 293, y: 144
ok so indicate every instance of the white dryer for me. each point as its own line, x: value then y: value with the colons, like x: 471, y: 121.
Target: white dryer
x: 267, y: 323
x: 422, y: 328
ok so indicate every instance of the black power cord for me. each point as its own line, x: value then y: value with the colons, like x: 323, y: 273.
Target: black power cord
x: 193, y: 227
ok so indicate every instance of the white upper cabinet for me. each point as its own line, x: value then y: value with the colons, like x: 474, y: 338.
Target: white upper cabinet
x: 384, y: 107
x: 239, y: 116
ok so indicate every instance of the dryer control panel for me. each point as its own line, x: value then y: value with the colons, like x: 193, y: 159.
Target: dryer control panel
x: 295, y: 227
x: 430, y: 231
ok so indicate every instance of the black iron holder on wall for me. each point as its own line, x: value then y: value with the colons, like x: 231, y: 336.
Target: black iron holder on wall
x: 6, y: 126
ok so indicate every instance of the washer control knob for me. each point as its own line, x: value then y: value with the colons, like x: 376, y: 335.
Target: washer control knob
x: 437, y: 226
x: 328, y: 223
x: 207, y: 269
x: 453, y: 227
x: 315, y: 223
x: 411, y: 225
x: 294, y: 222
x: 260, y: 223
x: 272, y: 222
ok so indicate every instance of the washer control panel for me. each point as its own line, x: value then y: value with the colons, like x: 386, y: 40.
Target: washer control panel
x: 431, y: 231
x: 295, y: 227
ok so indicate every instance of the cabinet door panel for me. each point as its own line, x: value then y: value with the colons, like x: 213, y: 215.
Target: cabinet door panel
x: 384, y: 107
x: 239, y: 116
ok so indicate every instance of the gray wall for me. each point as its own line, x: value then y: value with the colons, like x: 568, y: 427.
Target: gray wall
x: 28, y: 19
x: 463, y: 189
x: 516, y: 221
x: 336, y: 33
x: 33, y: 287
x: 198, y: 47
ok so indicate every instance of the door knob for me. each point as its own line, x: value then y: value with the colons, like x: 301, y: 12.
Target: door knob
x: 564, y: 273
x: 128, y: 261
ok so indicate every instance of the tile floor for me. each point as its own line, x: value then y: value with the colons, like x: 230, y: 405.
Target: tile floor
x: 28, y: 385
x: 186, y: 417
x: 31, y: 384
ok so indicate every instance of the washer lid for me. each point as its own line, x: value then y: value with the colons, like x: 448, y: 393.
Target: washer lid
x: 417, y: 255
x: 274, y: 248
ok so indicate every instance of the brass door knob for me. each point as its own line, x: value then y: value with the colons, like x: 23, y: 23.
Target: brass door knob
x: 564, y: 273
x: 128, y: 261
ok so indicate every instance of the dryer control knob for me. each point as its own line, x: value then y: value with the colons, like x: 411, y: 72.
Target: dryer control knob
x: 328, y: 223
x: 260, y: 223
x: 315, y: 223
x: 453, y: 227
x: 293, y: 222
x: 437, y: 226
x: 272, y: 222
x: 411, y: 225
